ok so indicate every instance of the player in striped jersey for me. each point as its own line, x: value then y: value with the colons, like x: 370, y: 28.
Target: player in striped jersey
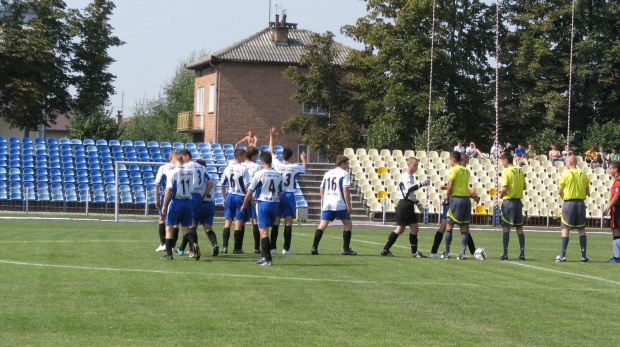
x: 198, y: 172
x: 405, y: 210
x: 251, y: 153
x: 336, y: 204
x: 206, y: 211
x: 235, y: 181
x: 267, y: 188
x: 288, y: 205
x: 177, y: 206
x: 160, y: 187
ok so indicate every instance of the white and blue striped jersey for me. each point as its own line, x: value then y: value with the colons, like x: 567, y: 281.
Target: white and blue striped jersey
x: 334, y: 182
x: 236, y: 178
x: 162, y: 176
x: 181, y: 181
x: 289, y: 172
x: 191, y: 165
x: 266, y: 185
x: 252, y: 167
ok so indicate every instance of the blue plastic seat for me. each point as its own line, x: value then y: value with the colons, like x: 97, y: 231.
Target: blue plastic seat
x: 165, y: 145
x: 43, y: 195
x: 139, y: 144
x: 127, y: 143
x: 152, y: 144
x: 52, y: 142
x: 88, y: 142
x: 76, y: 141
x: 71, y: 195
x: 123, y: 180
x: 96, y: 179
x: 101, y: 143
x: 114, y: 143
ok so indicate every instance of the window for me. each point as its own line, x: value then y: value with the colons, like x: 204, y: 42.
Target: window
x: 200, y: 100
x: 318, y: 110
x: 211, y: 98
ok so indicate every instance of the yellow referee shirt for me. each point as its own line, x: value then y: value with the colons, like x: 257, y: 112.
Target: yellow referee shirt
x: 460, y: 176
x: 573, y: 183
x: 514, y: 179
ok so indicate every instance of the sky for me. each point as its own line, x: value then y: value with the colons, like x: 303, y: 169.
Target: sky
x: 159, y: 34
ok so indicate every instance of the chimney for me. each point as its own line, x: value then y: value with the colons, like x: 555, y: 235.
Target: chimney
x: 280, y: 31
x: 119, y: 117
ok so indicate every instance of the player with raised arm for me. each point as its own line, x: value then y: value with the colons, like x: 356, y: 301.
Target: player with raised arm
x: 177, y: 206
x: 235, y: 181
x: 251, y: 153
x: 405, y: 210
x: 290, y: 170
x: 267, y: 188
x: 513, y: 185
x: 206, y: 211
x: 160, y: 188
x: 336, y: 200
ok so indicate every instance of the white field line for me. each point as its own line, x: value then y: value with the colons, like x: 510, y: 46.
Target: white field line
x: 572, y: 274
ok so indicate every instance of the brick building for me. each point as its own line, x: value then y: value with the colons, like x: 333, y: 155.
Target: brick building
x: 241, y: 87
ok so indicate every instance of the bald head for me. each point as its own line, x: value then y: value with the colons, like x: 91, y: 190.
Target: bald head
x: 571, y: 162
x: 412, y: 165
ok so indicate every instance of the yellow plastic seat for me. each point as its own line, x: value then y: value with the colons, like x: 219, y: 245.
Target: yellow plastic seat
x: 382, y: 194
x: 480, y: 210
x: 382, y: 170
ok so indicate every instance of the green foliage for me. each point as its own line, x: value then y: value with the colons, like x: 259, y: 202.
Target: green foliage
x: 443, y: 138
x: 156, y: 119
x: 96, y: 125
x: 322, y: 84
x: 42, y: 58
x: 546, y: 137
x: 602, y: 134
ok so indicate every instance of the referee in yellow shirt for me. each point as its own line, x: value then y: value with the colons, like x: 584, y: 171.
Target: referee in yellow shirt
x: 513, y: 185
x: 459, y: 211
x: 574, y: 187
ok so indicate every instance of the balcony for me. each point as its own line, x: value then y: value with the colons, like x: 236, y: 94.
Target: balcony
x: 189, y: 122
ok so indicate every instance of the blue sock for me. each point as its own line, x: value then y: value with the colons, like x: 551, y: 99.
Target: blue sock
x: 617, y: 247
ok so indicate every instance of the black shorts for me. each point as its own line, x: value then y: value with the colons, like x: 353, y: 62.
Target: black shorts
x: 405, y: 213
x: 615, y: 217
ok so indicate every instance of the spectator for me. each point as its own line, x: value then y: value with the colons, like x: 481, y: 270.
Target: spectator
x: 472, y: 151
x: 614, y: 155
x: 601, y: 157
x: 590, y: 155
x: 251, y: 139
x: 555, y: 155
x: 496, y: 151
x: 519, y: 152
x: 459, y: 147
x: 530, y: 153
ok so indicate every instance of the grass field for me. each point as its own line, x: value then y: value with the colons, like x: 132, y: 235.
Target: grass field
x: 81, y: 283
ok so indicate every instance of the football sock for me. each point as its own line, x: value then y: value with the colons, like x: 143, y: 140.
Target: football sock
x: 506, y: 239
x: 583, y: 242
x: 169, y: 246
x: 175, y: 238
x: 212, y: 237
x: 274, y: 236
x: 317, y: 238
x: 436, y: 242
x: 564, y: 244
x: 464, y: 238
x: 184, y: 242
x: 256, y: 234
x: 346, y: 236
x: 162, y: 233
x: 241, y: 236
x: 521, y: 244
x: 266, y: 248
x: 390, y: 241
x: 470, y: 244
x: 191, y: 238
x: 616, y: 245
x: 448, y: 238
x: 238, y: 240
x: 288, y: 234
x: 413, y: 241
x: 192, y: 230
x: 225, y: 237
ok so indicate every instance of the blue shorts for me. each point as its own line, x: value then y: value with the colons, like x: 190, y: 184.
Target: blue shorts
x: 288, y: 206
x: 196, y: 202
x: 331, y: 215
x: 205, y: 213
x: 161, y: 204
x: 252, y: 213
x: 233, y: 206
x: 180, y: 211
x: 267, y: 213
x: 444, y: 213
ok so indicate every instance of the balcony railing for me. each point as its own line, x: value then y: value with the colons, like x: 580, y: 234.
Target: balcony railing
x: 189, y: 122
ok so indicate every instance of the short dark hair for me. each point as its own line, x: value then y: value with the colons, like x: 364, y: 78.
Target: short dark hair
x: 250, y: 152
x: 456, y: 155
x: 201, y: 162
x: 239, y: 153
x: 341, y: 159
x: 266, y: 158
x: 615, y: 165
x: 507, y: 156
x: 186, y: 152
x: 287, y: 153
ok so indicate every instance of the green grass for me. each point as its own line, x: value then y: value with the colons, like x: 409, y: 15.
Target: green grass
x: 81, y: 283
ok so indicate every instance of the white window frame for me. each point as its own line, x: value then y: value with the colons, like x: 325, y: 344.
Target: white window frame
x: 318, y: 111
x: 211, y: 98
x: 200, y: 100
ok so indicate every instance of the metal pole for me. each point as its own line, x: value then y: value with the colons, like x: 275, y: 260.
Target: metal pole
x: 547, y: 216
x: 116, y: 192
x: 87, y: 199
x: 384, y: 209
x: 146, y: 206
x: 26, y: 202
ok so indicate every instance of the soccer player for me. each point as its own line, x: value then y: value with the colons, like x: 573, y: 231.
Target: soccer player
x: 198, y: 172
x: 336, y: 204
x: 459, y: 212
x: 288, y: 206
x: 251, y: 153
x: 234, y: 184
x: 405, y: 210
x: 160, y: 188
x: 204, y: 214
x: 613, y: 211
x: 574, y: 186
x: 267, y: 188
x: 177, y: 206
x: 513, y: 185
x: 444, y: 219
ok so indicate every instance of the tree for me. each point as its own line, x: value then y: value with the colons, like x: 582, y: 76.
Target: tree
x: 156, y: 119
x: 322, y: 84
x: 95, y: 125
x: 42, y: 57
